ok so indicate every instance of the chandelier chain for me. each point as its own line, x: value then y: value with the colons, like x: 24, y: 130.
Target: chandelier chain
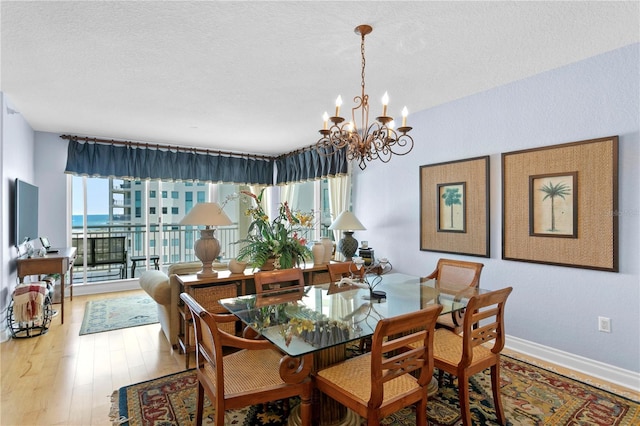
x: 364, y: 62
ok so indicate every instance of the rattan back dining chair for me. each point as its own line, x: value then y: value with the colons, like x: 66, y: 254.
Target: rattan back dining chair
x: 255, y: 373
x: 477, y: 349
x: 455, y: 276
x: 380, y: 382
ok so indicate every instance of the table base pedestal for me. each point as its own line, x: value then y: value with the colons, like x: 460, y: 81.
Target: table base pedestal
x: 350, y: 419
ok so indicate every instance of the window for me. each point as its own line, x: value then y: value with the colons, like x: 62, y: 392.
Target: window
x: 116, y: 206
x: 188, y: 201
x: 138, y: 202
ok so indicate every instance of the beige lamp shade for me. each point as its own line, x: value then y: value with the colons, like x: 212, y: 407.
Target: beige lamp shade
x: 209, y: 214
x: 347, y: 222
x: 207, y: 247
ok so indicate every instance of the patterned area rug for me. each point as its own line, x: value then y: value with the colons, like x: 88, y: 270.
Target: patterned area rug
x: 530, y: 395
x: 122, y: 312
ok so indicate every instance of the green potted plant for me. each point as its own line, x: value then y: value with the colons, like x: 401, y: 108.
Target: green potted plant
x: 280, y: 239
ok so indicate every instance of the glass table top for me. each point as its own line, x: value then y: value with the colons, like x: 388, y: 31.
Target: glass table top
x: 326, y: 315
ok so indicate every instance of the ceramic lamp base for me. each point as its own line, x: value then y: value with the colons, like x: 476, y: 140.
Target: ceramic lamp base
x: 348, y: 245
x: 207, y: 248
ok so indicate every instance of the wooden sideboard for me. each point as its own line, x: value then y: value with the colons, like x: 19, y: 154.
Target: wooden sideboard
x: 53, y: 263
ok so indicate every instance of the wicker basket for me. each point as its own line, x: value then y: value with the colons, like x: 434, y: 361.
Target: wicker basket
x: 208, y: 298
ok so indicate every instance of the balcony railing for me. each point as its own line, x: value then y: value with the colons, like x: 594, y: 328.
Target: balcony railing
x: 171, y: 242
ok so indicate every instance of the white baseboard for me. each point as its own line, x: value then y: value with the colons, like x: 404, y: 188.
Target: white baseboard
x: 5, y: 334
x: 106, y: 287
x: 619, y: 376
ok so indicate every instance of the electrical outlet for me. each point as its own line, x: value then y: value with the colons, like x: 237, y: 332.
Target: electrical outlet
x: 604, y: 324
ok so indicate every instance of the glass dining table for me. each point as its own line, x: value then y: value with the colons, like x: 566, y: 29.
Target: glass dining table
x: 323, y: 319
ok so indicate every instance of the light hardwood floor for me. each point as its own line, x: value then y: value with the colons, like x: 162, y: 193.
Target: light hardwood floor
x: 61, y: 378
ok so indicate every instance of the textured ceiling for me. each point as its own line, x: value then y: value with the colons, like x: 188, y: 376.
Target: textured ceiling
x: 257, y: 76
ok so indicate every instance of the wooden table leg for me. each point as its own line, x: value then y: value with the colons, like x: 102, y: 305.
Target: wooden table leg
x: 62, y: 282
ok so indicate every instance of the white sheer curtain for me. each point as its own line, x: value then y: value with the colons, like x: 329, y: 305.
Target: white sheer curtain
x: 339, y: 201
x: 288, y: 193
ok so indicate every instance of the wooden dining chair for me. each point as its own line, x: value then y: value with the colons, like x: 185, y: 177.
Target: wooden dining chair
x: 380, y: 382
x: 340, y: 270
x: 476, y: 349
x: 454, y: 276
x: 279, y: 281
x: 256, y: 373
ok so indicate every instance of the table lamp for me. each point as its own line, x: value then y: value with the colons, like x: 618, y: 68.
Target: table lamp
x: 207, y: 247
x: 348, y: 223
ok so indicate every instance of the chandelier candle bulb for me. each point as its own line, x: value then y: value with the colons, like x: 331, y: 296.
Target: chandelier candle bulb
x: 325, y: 119
x: 338, y: 104
x: 405, y: 112
x: 385, y: 102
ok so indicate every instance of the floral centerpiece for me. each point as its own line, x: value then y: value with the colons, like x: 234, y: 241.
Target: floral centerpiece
x: 281, y: 238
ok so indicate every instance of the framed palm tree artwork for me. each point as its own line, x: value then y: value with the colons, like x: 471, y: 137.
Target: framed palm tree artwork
x: 560, y: 204
x: 454, y: 207
x: 553, y: 205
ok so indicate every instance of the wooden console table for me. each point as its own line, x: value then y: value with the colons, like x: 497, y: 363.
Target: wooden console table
x: 52, y: 263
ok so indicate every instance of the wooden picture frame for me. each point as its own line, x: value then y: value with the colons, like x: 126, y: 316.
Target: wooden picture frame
x: 469, y: 179
x: 583, y: 177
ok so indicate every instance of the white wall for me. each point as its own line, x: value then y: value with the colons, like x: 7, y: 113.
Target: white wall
x: 17, y: 161
x: 550, y: 305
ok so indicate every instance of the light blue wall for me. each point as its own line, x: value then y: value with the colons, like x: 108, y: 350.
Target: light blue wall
x: 550, y: 305
x: 51, y: 160
x: 17, y: 161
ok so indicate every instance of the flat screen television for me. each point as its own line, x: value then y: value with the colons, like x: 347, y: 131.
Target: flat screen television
x: 26, y: 212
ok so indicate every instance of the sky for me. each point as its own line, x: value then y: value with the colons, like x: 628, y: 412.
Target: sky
x: 97, y: 196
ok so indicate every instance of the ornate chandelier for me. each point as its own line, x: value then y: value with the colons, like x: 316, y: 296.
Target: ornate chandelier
x: 364, y: 142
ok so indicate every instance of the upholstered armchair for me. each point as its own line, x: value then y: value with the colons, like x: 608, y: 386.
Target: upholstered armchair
x: 165, y: 290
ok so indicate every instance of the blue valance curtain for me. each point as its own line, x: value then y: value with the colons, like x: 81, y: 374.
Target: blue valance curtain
x: 309, y: 165
x: 141, y: 163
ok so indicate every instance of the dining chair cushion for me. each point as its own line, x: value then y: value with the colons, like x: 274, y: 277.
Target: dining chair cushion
x: 449, y: 347
x: 239, y: 379
x: 349, y: 375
